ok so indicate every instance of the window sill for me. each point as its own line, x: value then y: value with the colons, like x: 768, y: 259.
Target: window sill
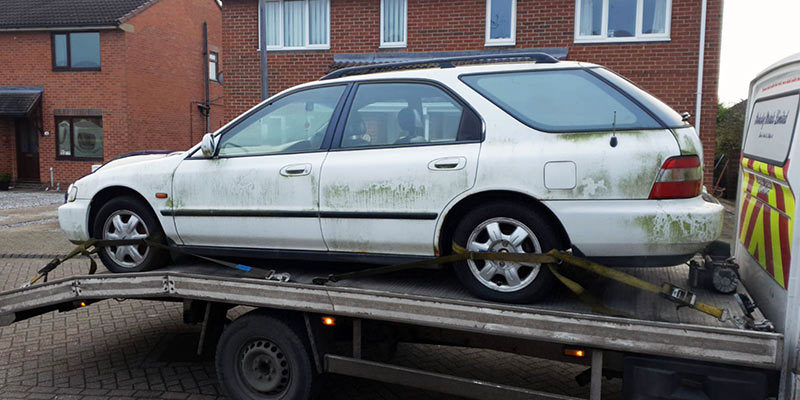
x: 621, y: 40
x: 76, y: 70
x: 278, y: 49
x: 392, y: 46
x: 500, y: 44
x: 67, y: 158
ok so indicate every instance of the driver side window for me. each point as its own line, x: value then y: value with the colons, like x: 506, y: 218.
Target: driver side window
x: 395, y: 114
x: 292, y: 124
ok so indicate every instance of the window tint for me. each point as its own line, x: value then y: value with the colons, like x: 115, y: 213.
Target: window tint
x: 561, y: 100
x: 60, y: 50
x: 500, y: 21
x: 85, y: 50
x: 294, y: 123
x: 79, y: 137
x: 76, y: 51
x: 621, y: 18
x: 389, y: 114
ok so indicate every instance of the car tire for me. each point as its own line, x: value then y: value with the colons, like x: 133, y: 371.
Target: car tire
x: 505, y: 227
x: 115, y: 220
x: 260, y: 357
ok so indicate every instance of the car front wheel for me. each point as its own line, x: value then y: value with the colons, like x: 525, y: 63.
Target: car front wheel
x: 126, y: 218
x: 505, y: 228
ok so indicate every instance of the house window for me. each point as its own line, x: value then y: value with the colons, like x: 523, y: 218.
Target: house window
x: 501, y: 22
x: 394, y: 25
x: 213, y: 61
x: 76, y: 51
x: 296, y: 24
x: 622, y: 20
x: 79, y: 138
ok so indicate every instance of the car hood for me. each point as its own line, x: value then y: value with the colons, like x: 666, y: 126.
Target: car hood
x: 137, y: 157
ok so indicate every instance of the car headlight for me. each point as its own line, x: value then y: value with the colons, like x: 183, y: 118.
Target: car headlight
x: 72, y: 193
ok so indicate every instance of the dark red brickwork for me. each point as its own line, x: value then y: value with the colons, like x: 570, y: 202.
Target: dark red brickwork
x: 666, y: 69
x: 147, y: 81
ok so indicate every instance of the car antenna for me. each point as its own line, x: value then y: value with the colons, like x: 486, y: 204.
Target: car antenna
x: 613, y: 142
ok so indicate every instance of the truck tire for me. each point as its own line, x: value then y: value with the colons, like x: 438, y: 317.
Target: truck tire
x: 261, y: 357
x: 127, y: 218
x: 505, y: 227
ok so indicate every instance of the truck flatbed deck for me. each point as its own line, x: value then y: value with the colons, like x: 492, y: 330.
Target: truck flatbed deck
x: 435, y: 299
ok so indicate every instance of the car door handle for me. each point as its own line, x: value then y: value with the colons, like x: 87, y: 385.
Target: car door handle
x: 447, y: 164
x: 296, y: 170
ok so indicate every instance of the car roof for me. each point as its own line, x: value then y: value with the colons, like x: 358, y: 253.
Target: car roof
x: 440, y: 74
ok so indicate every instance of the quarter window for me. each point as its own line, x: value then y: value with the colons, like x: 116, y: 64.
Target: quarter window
x: 397, y: 114
x: 393, y: 23
x: 561, y: 101
x: 296, y: 24
x: 501, y: 22
x: 292, y: 124
x: 76, y: 51
x: 622, y: 20
x: 79, y: 138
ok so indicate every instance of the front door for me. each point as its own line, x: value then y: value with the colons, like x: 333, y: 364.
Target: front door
x: 27, y: 150
x: 407, y: 150
x: 261, y: 189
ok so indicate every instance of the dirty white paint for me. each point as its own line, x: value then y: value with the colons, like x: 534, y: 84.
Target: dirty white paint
x: 597, y: 191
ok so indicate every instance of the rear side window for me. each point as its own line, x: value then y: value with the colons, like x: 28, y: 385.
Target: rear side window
x: 561, y: 100
x: 771, y: 127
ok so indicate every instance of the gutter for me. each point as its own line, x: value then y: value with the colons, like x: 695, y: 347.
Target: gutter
x: 700, y: 66
x: 62, y: 28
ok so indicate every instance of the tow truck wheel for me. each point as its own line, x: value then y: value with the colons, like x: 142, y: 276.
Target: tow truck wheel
x: 505, y: 227
x: 262, y: 357
x: 127, y: 218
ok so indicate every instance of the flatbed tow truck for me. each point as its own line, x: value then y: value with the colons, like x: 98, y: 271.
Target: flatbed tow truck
x: 301, y: 329
x: 655, y: 344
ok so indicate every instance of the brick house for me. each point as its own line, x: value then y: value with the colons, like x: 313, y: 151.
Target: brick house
x: 655, y: 43
x: 85, y: 81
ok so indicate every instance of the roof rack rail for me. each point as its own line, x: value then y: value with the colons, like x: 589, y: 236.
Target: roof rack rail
x: 443, y: 62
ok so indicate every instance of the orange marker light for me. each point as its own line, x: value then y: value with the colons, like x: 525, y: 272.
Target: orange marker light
x: 328, y: 321
x: 161, y: 195
x: 83, y: 304
x: 574, y: 353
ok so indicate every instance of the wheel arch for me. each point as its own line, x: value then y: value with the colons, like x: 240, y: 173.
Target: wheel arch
x: 464, y: 205
x: 106, y: 194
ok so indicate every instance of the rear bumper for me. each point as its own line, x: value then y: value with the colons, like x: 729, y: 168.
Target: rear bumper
x: 73, y: 218
x: 640, y: 232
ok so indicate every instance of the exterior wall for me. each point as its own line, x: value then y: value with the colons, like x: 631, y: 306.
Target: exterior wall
x: 166, y: 73
x: 666, y: 69
x: 144, y: 88
x: 8, y: 153
x: 104, y: 89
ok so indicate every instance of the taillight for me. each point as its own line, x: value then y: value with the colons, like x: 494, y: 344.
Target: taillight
x: 679, y: 178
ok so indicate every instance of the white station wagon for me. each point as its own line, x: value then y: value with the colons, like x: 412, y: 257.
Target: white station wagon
x: 394, y: 166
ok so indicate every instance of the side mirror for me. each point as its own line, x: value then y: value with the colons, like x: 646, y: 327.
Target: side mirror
x: 208, y: 145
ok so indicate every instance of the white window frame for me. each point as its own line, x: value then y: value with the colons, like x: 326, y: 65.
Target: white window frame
x: 281, y: 47
x: 505, y: 41
x: 389, y: 45
x: 638, y: 37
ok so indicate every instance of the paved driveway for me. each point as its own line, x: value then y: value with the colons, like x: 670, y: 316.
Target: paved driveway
x: 141, y: 349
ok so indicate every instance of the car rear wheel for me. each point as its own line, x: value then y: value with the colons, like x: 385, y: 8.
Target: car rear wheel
x: 505, y: 228
x: 127, y: 218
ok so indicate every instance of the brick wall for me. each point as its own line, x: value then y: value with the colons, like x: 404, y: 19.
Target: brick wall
x: 667, y: 69
x: 8, y: 154
x: 147, y: 80
x: 165, y: 74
